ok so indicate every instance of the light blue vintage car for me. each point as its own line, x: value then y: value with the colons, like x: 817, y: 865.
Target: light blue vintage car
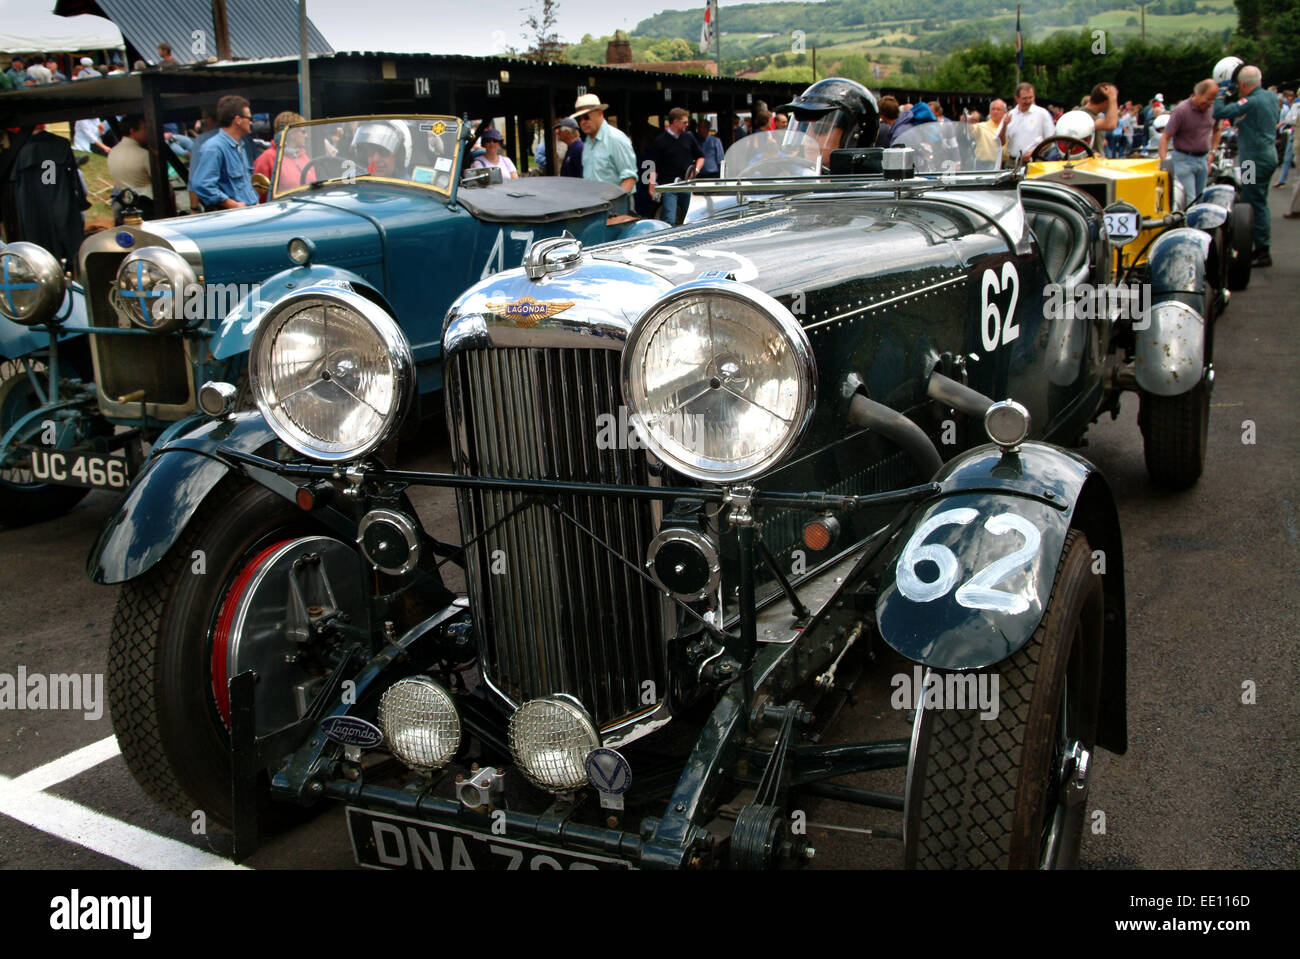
x: 386, y: 206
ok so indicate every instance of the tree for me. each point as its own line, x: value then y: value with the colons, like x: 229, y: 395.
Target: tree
x: 855, y: 67
x: 545, y: 43
x: 1268, y: 35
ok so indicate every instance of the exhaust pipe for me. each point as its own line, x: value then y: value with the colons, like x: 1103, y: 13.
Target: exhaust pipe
x: 867, y: 414
x: 948, y: 392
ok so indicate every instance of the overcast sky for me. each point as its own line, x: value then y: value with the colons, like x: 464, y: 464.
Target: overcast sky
x: 479, y: 27
x: 476, y: 27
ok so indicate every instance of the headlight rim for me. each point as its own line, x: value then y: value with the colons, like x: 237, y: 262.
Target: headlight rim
x: 384, y: 325
x: 52, y: 284
x: 584, y: 722
x: 180, y: 275
x: 784, y: 322
x: 386, y: 722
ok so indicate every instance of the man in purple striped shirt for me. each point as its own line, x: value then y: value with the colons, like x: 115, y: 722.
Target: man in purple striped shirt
x: 1194, y: 135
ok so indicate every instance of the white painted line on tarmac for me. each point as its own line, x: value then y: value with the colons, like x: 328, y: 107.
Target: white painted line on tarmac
x: 65, y: 767
x: 22, y: 798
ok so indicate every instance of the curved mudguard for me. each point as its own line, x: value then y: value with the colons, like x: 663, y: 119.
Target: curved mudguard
x: 235, y: 334
x: 1220, y: 194
x: 966, y: 581
x: 17, y: 340
x: 1207, y: 216
x: 162, y: 500
x: 641, y: 228
x: 1169, y: 358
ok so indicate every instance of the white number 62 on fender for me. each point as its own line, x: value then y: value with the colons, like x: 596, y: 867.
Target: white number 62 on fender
x: 969, y: 582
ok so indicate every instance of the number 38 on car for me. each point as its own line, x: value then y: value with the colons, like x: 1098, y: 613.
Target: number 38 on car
x: 704, y: 480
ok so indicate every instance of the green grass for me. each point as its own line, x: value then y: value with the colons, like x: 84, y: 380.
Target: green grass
x: 99, y: 189
x: 1159, y: 27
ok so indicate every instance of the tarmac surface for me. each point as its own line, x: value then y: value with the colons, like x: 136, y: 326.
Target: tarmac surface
x: 1209, y: 781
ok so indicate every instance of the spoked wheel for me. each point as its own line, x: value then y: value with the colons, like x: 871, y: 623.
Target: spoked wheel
x: 249, y: 586
x: 23, y: 498
x: 1011, y: 791
x: 1175, y: 434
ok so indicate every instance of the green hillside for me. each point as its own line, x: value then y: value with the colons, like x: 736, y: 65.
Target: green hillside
x: 869, y: 40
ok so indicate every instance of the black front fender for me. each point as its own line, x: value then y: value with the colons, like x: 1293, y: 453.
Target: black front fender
x: 966, y: 581
x: 161, y: 502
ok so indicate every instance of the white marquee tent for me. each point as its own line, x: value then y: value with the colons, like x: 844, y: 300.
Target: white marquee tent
x: 29, y: 28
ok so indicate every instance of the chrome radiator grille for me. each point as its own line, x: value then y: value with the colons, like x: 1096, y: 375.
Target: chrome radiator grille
x: 556, y: 612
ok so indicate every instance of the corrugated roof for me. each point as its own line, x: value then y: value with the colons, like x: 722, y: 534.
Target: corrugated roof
x: 607, y: 69
x: 259, y: 29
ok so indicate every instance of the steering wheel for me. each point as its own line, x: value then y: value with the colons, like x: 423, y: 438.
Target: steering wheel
x: 331, y: 167
x: 1071, y: 143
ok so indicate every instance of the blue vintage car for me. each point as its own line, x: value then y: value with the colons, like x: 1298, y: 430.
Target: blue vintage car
x: 385, y: 206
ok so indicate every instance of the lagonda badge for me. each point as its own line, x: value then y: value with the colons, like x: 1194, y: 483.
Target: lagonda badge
x: 527, y: 311
x: 352, y: 731
x: 439, y: 127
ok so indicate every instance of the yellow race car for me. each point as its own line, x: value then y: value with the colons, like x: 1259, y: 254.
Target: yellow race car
x: 1141, y: 200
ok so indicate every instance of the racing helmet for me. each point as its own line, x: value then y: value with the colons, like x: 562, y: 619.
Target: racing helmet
x: 387, y: 135
x: 1225, y: 71
x: 836, y: 103
x: 1077, y: 123
x: 1160, y: 122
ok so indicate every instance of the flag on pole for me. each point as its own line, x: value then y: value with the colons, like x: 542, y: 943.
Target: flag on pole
x: 1020, y: 47
x: 706, y: 31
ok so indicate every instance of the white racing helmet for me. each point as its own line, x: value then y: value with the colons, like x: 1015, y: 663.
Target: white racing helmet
x: 1160, y: 122
x: 1076, y: 123
x: 1225, y: 71
x: 390, y: 135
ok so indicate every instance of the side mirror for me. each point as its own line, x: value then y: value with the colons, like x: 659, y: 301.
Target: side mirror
x: 1123, y: 223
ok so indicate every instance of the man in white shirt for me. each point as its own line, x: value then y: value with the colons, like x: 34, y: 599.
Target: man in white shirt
x: 1027, y: 125
x: 88, y: 136
x: 128, y: 162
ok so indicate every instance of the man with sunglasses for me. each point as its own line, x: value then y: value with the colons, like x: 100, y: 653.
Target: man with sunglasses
x: 221, y: 177
x: 607, y: 153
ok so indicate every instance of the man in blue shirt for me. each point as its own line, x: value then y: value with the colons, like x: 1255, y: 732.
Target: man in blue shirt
x: 567, y: 133
x: 1256, y: 117
x: 712, y: 148
x: 220, y: 177
x: 17, y: 73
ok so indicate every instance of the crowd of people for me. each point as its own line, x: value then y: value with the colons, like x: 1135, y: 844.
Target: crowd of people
x: 224, y: 155
x: 40, y: 69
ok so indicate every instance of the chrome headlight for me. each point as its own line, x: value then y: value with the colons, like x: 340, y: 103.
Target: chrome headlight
x: 420, y: 722
x: 153, y: 284
x: 720, y: 380
x: 331, y: 372
x: 550, y: 738
x: 31, y: 283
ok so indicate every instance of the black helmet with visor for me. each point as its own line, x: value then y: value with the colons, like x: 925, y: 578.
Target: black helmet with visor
x: 835, y: 104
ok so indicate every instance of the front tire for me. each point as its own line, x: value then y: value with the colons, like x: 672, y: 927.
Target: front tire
x: 167, y: 710
x: 1010, y: 791
x: 1175, y: 434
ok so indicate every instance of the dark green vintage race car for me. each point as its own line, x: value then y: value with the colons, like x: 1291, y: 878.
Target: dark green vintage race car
x: 701, y: 476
